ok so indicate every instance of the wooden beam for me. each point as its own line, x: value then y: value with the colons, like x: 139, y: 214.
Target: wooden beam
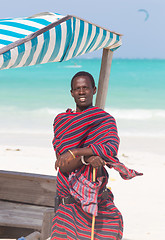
x: 34, y: 236
x: 47, y: 224
x: 21, y: 215
x: 14, y: 232
x: 104, y: 78
x: 28, y: 188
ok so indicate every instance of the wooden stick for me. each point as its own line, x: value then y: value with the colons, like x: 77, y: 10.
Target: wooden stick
x: 93, y: 218
x: 93, y: 227
x: 94, y: 174
x: 104, y: 78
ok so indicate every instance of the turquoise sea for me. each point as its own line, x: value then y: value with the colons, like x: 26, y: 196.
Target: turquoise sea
x: 30, y: 97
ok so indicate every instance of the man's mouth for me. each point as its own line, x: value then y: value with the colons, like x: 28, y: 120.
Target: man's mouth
x: 82, y: 99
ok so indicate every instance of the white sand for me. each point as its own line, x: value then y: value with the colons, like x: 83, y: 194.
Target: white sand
x: 141, y: 200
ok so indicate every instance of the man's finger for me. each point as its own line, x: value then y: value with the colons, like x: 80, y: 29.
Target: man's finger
x: 56, y: 165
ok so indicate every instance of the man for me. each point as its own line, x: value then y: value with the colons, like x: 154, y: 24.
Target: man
x: 85, y: 139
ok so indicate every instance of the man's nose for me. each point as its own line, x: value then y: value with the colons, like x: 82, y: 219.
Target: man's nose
x: 81, y: 90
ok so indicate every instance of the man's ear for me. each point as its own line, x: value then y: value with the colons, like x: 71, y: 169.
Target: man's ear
x: 94, y: 90
x: 71, y: 92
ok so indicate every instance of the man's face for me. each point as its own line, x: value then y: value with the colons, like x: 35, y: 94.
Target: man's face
x: 82, y: 92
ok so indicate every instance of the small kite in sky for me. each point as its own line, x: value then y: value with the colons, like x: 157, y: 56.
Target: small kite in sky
x: 146, y: 13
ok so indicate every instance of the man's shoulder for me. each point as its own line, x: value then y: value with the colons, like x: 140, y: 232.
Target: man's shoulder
x: 99, y: 110
x: 63, y: 114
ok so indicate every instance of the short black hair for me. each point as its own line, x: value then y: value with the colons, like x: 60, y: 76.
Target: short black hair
x: 86, y: 74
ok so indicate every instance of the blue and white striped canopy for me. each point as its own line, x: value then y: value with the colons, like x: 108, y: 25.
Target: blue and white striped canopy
x: 49, y: 37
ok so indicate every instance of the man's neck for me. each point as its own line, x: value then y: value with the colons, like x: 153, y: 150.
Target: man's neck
x: 81, y: 109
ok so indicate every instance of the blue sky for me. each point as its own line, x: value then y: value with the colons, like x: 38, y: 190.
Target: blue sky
x: 141, y: 39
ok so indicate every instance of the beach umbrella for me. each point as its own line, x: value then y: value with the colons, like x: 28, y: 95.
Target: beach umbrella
x: 48, y: 37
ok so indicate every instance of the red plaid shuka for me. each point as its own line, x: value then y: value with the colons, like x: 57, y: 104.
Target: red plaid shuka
x: 96, y: 129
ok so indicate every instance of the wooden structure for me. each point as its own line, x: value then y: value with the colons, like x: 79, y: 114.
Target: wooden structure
x: 104, y: 78
x: 26, y: 205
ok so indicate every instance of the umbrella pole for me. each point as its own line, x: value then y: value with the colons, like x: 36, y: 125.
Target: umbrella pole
x: 93, y: 217
x: 104, y: 78
x: 101, y: 98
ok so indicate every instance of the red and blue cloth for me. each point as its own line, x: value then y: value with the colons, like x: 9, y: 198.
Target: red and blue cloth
x: 97, y: 129
x: 93, y: 128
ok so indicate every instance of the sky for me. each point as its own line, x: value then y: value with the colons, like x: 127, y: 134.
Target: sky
x: 141, y: 39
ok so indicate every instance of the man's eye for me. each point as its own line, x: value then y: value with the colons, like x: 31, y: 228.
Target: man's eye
x: 79, y: 88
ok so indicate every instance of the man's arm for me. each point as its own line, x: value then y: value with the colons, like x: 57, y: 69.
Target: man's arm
x: 67, y: 162
x: 107, y: 145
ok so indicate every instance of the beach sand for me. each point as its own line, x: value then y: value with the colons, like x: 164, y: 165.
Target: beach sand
x: 140, y: 200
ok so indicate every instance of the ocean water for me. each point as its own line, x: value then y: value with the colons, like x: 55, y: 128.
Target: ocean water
x: 30, y: 97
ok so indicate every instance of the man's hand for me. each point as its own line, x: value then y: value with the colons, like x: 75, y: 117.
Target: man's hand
x: 63, y: 160
x: 95, y: 161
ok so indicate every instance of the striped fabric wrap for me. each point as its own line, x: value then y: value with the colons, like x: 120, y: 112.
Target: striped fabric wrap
x: 49, y: 37
x: 91, y: 128
x: 85, y: 190
x: 72, y: 222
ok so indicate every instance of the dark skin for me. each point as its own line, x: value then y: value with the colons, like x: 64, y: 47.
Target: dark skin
x: 82, y: 93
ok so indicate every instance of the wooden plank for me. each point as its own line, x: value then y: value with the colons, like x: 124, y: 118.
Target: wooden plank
x: 47, y: 224
x: 21, y: 215
x: 13, y: 232
x: 27, y: 188
x: 104, y: 78
x: 34, y: 236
